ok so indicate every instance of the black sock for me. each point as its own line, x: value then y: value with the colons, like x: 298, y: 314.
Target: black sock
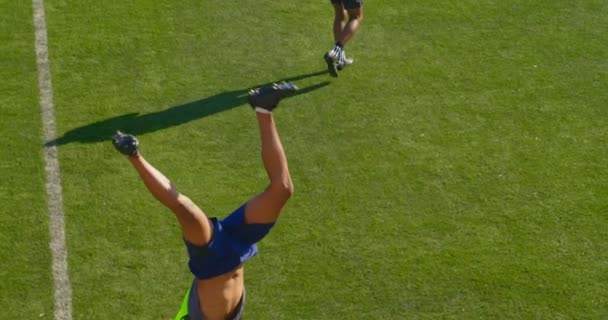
x: 339, y: 45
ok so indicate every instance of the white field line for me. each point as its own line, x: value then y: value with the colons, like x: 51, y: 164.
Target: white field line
x: 61, y: 281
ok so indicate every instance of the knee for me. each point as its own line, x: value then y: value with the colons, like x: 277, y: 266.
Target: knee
x: 285, y: 188
x: 355, y: 15
x: 181, y: 203
x: 340, y: 15
x: 288, y: 188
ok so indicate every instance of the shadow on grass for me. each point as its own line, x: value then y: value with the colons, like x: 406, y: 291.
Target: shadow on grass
x: 137, y: 124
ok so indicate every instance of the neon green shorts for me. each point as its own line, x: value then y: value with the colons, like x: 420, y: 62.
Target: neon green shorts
x: 183, y: 310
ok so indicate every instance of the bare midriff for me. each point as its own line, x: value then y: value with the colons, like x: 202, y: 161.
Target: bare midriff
x: 219, y: 296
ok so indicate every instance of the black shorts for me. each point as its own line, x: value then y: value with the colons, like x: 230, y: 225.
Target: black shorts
x: 349, y: 4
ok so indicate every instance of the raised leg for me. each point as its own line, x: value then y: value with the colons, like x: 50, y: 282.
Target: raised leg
x: 266, y: 206
x: 195, y: 225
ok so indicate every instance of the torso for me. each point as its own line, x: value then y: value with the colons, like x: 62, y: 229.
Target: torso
x: 219, y: 296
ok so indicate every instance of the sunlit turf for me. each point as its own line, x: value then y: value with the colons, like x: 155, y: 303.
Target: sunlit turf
x: 455, y: 171
x: 26, y: 288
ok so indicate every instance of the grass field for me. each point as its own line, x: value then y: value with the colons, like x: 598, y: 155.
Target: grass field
x: 456, y: 171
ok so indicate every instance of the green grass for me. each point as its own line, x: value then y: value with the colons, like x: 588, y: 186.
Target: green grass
x: 455, y: 171
x: 26, y: 288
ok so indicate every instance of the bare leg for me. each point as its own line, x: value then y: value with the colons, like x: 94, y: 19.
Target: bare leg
x: 336, y: 58
x: 266, y: 206
x: 354, y: 21
x: 195, y: 225
x: 339, y: 21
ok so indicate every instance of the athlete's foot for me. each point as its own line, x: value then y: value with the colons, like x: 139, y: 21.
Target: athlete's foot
x: 345, y: 62
x: 125, y: 143
x: 264, y: 100
x: 335, y: 53
x: 332, y: 65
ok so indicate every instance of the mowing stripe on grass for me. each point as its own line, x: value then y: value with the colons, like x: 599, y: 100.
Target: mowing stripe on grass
x: 61, y: 281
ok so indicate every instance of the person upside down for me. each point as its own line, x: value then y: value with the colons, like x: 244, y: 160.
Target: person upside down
x: 218, y: 248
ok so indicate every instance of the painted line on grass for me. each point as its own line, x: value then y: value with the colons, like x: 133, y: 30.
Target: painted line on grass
x: 61, y: 280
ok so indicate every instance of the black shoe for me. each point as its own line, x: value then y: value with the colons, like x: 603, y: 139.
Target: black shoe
x: 331, y: 65
x: 268, y: 98
x: 125, y: 143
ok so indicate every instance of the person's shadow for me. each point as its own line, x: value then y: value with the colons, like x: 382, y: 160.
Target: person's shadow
x: 137, y: 124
